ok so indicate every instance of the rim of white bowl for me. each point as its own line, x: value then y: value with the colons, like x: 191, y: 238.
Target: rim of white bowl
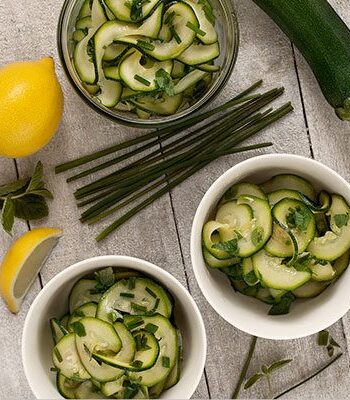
x: 79, y: 267
x: 207, y: 201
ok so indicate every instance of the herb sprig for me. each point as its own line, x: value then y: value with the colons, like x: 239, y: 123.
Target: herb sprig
x: 24, y: 199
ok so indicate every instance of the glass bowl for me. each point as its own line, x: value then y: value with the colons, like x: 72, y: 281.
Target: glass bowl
x: 228, y: 32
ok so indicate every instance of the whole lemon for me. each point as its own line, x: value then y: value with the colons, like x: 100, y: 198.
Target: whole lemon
x: 31, y: 106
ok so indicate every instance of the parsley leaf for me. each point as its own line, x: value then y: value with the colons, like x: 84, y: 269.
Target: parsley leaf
x: 164, y: 82
x: 341, y: 220
x: 231, y: 247
x: 283, y: 306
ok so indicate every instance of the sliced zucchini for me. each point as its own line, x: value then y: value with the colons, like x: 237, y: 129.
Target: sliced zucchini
x: 324, y: 200
x: 290, y: 182
x: 79, y: 35
x: 147, y: 352
x: 278, y: 195
x: 92, y: 89
x: 96, y: 336
x: 337, y: 241
x: 85, y: 9
x: 126, y: 274
x: 66, y: 387
x: 342, y: 263
x: 275, y: 275
x: 242, y: 188
x: 114, y: 52
x: 86, y: 310
x: 66, y: 360
x: 129, y: 11
x: 262, y: 294
x: 280, y: 243
x: 143, y: 114
x: 214, y: 262
x: 111, y: 388
x: 57, y: 330
x: 134, y: 296
x: 112, y: 72
x: 83, y: 23
x: 182, y: 36
x: 127, y: 352
x: 164, y: 105
x: 166, y: 334
x: 82, y: 54
x: 84, y: 291
x: 178, y: 70
x: 87, y: 390
x: 64, y: 321
x: 110, y: 92
x: 156, y: 390
x: 277, y: 294
x: 174, y: 376
x: 235, y: 215
x: 210, y: 34
x: 208, y: 67
x: 189, y: 80
x: 211, y: 237
x: 294, y: 216
x: 322, y: 272
x: 141, y: 76
x: 310, y: 289
x: 199, y: 53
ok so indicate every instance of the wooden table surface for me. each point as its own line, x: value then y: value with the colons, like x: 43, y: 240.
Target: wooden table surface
x: 28, y: 31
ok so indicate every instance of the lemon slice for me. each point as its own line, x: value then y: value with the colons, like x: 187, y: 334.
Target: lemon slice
x: 22, y: 263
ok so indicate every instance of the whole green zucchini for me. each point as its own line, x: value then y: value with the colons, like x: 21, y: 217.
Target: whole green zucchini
x: 323, y: 39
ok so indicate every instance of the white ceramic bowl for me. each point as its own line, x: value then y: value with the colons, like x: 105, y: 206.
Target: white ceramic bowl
x: 248, y: 314
x: 53, y: 301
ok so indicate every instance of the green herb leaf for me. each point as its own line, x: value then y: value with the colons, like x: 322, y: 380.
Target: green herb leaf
x: 165, y: 82
x: 43, y: 193
x: 298, y: 217
x: 136, y: 9
x: 78, y: 328
x: 78, y: 313
x: 251, y: 279
x: 257, y: 236
x: 114, y: 316
x: 323, y: 337
x: 341, y: 220
x: 277, y: 365
x: 31, y: 207
x: 165, y: 362
x: 13, y: 187
x: 105, y: 279
x: 134, y: 323
x: 8, y: 215
x: 230, y: 247
x: 168, y: 20
x: 36, y: 182
x: 53, y: 369
x: 151, y: 328
x: 131, y: 283
x: 252, y: 380
x: 234, y: 271
x: 283, y: 306
x: 137, y: 364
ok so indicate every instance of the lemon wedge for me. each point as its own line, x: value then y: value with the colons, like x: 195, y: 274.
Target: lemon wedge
x: 22, y: 263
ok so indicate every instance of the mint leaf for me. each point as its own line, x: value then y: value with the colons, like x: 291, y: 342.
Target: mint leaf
x: 250, y: 278
x: 252, y: 380
x: 277, y: 365
x: 30, y: 207
x: 231, y: 247
x: 341, y: 220
x: 234, y: 271
x: 13, y: 187
x: 299, y: 218
x: 105, y: 279
x: 164, y: 82
x: 257, y: 236
x: 8, y: 215
x: 36, y: 182
x: 78, y: 328
x: 283, y: 306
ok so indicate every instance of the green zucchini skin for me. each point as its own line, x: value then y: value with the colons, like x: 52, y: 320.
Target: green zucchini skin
x: 323, y: 39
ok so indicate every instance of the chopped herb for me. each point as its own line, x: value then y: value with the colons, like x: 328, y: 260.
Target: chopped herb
x: 164, y: 82
x: 136, y: 322
x: 138, y: 307
x: 165, y: 362
x: 87, y: 350
x: 151, y: 328
x: 251, y: 279
x: 233, y: 271
x: 105, y: 279
x: 78, y: 328
x: 137, y: 364
x: 195, y: 29
x: 323, y: 337
x: 145, y: 45
x: 257, y: 236
x: 130, y: 390
x: 114, y: 316
x: 283, y: 306
x: 231, y: 247
x: 142, y: 80
x: 175, y: 35
x: 58, y: 354
x: 341, y: 220
x: 168, y: 20
x: 131, y: 283
x: 136, y: 9
x: 125, y: 294
x: 141, y: 342
x: 127, y: 4
x: 78, y: 313
x: 208, y: 11
x: 53, y: 369
x: 299, y: 217
x: 156, y: 304
x: 238, y: 234
x: 150, y: 291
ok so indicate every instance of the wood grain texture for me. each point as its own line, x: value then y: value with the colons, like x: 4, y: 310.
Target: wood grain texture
x: 161, y: 233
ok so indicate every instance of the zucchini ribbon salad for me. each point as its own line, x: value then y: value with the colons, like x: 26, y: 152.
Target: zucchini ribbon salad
x: 150, y: 57
x: 118, y: 338
x: 279, y: 241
